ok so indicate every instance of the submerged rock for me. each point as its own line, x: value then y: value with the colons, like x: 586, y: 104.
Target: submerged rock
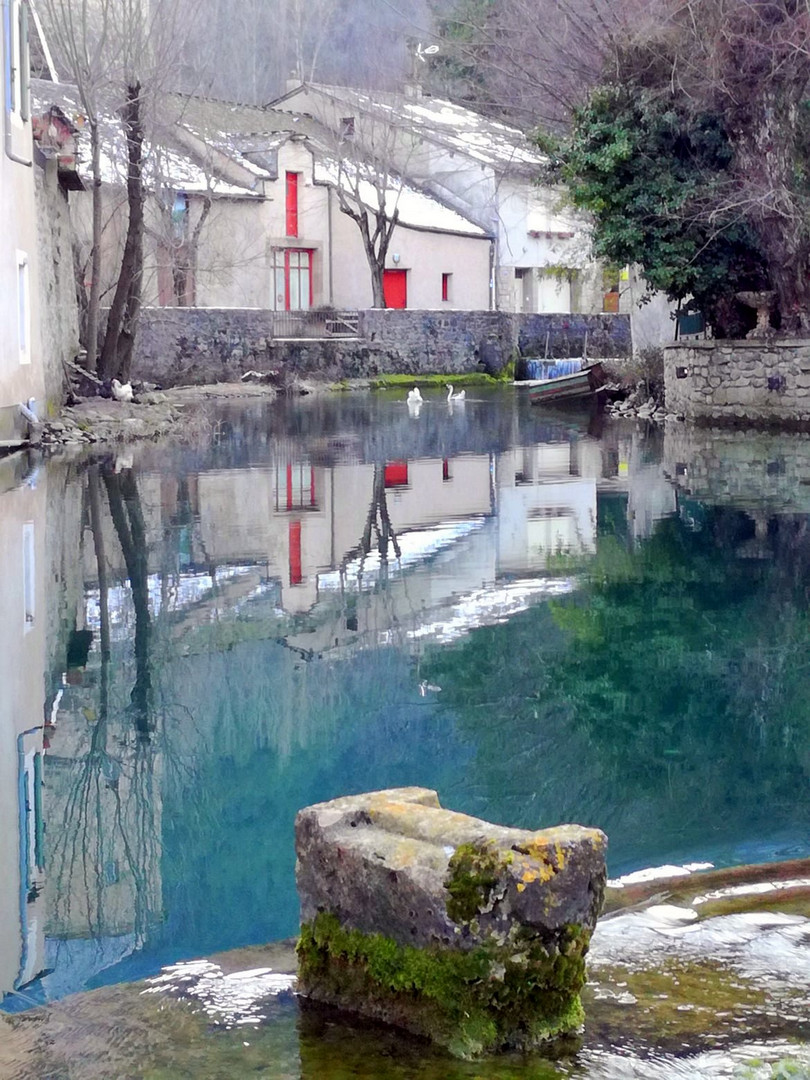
x: 471, y: 934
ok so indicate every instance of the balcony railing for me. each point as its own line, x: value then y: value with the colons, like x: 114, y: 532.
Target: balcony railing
x: 316, y: 324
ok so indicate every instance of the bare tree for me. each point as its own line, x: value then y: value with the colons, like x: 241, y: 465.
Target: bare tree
x: 529, y: 61
x: 88, y: 52
x: 367, y: 194
x: 748, y: 61
x: 122, y: 55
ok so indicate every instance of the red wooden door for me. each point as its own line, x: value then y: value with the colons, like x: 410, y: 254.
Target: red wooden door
x: 395, y: 288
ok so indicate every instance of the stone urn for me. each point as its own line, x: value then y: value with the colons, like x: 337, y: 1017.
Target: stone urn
x: 762, y: 302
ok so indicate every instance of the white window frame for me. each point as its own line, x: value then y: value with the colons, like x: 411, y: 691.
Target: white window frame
x: 23, y: 307
x: 16, y: 61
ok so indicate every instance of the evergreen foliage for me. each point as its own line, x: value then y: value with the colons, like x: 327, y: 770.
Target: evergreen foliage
x: 645, y: 169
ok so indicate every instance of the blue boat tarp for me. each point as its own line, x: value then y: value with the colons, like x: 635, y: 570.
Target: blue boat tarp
x: 551, y: 369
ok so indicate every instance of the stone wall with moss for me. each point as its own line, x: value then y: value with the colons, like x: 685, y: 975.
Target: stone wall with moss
x: 197, y: 345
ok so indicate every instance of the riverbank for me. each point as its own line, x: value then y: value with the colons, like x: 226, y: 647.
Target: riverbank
x: 695, y: 974
x: 186, y: 411
x: 180, y: 412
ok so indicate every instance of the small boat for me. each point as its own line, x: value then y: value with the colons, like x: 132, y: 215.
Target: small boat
x: 567, y: 387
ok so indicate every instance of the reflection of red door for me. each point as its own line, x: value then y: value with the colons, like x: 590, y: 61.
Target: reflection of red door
x: 395, y: 288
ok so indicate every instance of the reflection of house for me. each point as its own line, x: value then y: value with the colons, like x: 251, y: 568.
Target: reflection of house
x: 300, y: 519
x: 546, y: 504
x: 22, y: 703
x: 104, y: 789
x: 488, y: 172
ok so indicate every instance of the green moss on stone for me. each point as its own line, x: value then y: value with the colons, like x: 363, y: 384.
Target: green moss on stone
x: 471, y: 1001
x: 472, y: 873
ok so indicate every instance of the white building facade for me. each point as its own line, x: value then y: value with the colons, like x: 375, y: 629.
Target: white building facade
x: 21, y: 373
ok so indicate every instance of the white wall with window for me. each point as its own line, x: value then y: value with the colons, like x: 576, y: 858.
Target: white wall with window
x: 21, y: 369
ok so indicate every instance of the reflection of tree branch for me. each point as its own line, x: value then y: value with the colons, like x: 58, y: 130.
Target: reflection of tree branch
x: 127, y: 517
x: 383, y: 529
x: 94, y: 499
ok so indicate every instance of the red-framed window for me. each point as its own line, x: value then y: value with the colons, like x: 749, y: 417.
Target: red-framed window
x: 292, y: 204
x: 396, y: 474
x: 446, y: 286
x: 292, y: 279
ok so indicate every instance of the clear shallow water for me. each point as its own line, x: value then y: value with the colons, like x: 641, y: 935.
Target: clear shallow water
x: 544, y: 619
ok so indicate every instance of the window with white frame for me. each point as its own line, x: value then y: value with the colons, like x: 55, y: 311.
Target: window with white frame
x: 16, y: 59
x: 23, y: 308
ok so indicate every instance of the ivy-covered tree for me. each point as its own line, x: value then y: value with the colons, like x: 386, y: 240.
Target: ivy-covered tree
x: 653, y: 175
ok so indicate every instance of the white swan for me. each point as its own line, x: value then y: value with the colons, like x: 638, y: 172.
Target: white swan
x: 460, y: 396
x: 414, y: 396
x: 121, y: 392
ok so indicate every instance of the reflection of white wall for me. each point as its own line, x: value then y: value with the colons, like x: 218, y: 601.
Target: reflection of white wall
x: 429, y: 498
x: 537, y: 521
x: 236, y: 508
x: 22, y: 701
x: 650, y: 497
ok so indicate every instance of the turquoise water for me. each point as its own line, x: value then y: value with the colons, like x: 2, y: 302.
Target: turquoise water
x: 543, y: 617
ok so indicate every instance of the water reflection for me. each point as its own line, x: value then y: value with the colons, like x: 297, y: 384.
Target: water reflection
x: 533, y: 616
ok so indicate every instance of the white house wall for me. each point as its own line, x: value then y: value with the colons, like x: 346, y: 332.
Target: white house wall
x: 21, y: 373
x: 425, y: 255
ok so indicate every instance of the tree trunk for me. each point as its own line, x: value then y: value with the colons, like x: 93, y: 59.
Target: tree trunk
x: 122, y: 322
x: 194, y: 250
x: 94, y: 299
x: 766, y: 161
x: 766, y: 134
x: 377, y: 291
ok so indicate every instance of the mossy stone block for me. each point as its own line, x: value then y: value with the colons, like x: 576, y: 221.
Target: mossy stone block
x: 469, y: 933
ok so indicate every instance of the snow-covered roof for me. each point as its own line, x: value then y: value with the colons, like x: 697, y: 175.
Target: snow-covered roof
x: 454, y: 126
x: 224, y: 149
x: 417, y: 209
x: 166, y: 162
x: 252, y: 136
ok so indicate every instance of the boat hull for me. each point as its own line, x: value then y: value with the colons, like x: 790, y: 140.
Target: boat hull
x: 579, y: 384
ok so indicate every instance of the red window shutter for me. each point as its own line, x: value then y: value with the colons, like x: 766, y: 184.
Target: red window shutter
x: 292, y: 204
x: 296, y: 571
x: 445, y: 286
x: 396, y: 474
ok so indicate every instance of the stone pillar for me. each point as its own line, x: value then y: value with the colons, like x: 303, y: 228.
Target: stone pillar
x: 471, y: 934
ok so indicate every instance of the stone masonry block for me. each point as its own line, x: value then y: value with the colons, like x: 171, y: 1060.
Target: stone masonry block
x: 469, y: 933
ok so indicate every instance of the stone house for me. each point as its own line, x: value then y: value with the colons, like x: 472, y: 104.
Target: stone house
x: 489, y: 173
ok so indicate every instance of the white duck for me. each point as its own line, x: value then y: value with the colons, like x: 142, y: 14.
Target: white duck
x: 414, y: 396
x: 460, y: 396
x: 121, y: 391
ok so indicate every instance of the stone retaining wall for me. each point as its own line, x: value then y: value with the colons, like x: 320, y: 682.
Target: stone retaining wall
x: 764, y: 382
x: 59, y: 326
x: 201, y: 345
